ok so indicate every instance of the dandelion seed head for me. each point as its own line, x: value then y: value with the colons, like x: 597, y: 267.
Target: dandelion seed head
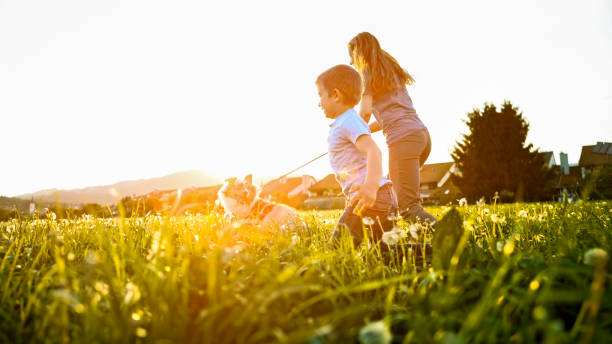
x: 375, y: 333
x: 595, y: 256
x: 390, y: 238
x: 368, y: 221
x: 141, y: 332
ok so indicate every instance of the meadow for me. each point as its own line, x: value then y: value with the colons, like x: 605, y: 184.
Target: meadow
x: 515, y: 273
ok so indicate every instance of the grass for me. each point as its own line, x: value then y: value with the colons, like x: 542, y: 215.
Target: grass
x: 501, y: 273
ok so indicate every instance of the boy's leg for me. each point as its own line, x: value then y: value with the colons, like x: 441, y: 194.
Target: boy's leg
x: 383, y: 212
x: 404, y: 169
x: 350, y: 224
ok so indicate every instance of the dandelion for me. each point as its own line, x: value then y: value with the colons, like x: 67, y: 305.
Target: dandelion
x: 534, y: 285
x: 101, y: 287
x: 375, y: 333
x: 390, y: 238
x: 79, y: 308
x: 137, y: 316
x: 414, y: 231
x: 463, y: 202
x: 141, y: 332
x: 91, y: 258
x: 595, y: 256
x: 132, y: 293
x: 481, y: 202
x: 368, y: 221
x: 509, y: 248
x: 497, y: 219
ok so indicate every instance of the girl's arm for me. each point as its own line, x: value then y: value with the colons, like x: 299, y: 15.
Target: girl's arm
x: 374, y: 127
x: 365, y: 111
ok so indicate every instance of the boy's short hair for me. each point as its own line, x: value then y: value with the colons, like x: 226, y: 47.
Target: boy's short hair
x: 346, y: 79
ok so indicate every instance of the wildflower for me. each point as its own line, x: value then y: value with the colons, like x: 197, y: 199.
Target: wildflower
x: 132, y: 293
x: 463, y: 202
x: 368, y: 221
x: 390, y: 238
x: 595, y: 256
x: 141, y: 332
x: 414, y: 231
x: 486, y: 211
x: 136, y: 316
x: 375, y: 333
x: 523, y: 213
x: 91, y: 258
x: 497, y: 219
x: 508, y: 248
x: 534, y: 285
x: 101, y: 287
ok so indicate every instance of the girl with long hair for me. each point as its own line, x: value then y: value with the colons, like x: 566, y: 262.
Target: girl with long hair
x: 408, y: 139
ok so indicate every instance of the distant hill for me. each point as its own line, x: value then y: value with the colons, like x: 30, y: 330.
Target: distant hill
x: 12, y: 203
x: 102, y: 195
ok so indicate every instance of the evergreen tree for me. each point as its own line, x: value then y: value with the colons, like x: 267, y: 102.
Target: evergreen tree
x: 493, y: 158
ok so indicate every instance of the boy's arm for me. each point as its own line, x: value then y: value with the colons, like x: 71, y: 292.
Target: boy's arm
x: 366, y: 193
x: 365, y: 111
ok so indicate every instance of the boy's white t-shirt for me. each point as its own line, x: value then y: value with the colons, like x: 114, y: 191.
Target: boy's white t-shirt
x: 348, y: 163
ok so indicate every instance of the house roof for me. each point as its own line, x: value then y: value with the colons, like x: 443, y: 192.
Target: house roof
x: 327, y: 183
x: 433, y: 173
x: 599, y: 154
x: 549, y: 158
x: 283, y: 185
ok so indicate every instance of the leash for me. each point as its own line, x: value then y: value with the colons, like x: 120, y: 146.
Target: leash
x: 306, y: 164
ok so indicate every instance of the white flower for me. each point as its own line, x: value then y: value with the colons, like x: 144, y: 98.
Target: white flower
x: 375, y: 333
x: 481, y: 202
x: 390, y: 238
x: 497, y: 219
x: 463, y: 202
x: 414, y: 231
x: 368, y: 221
x: 523, y: 213
x: 595, y: 256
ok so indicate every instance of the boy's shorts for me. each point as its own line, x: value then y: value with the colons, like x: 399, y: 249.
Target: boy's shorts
x: 383, y: 213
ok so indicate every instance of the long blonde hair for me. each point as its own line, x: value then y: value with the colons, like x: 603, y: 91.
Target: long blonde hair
x: 384, y: 72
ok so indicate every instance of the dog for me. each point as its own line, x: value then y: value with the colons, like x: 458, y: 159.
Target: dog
x: 240, y: 200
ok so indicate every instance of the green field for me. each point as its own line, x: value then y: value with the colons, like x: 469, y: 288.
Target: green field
x: 501, y: 273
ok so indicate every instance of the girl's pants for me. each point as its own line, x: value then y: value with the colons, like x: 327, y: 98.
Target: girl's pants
x: 405, y: 160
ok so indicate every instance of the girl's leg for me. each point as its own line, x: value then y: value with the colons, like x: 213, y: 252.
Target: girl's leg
x: 405, y: 159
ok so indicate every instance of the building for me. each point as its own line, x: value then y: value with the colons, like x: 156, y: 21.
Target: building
x: 291, y: 191
x: 597, y: 155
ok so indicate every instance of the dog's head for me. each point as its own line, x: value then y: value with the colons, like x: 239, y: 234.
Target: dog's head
x: 236, y: 196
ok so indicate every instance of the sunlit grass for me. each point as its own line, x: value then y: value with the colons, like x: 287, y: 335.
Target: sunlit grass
x: 517, y: 273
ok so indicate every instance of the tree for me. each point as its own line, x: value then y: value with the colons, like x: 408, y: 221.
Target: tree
x: 493, y: 158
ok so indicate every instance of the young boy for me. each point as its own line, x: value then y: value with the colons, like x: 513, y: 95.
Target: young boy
x: 355, y: 157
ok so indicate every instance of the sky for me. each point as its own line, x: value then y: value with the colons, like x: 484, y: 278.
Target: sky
x: 96, y: 92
